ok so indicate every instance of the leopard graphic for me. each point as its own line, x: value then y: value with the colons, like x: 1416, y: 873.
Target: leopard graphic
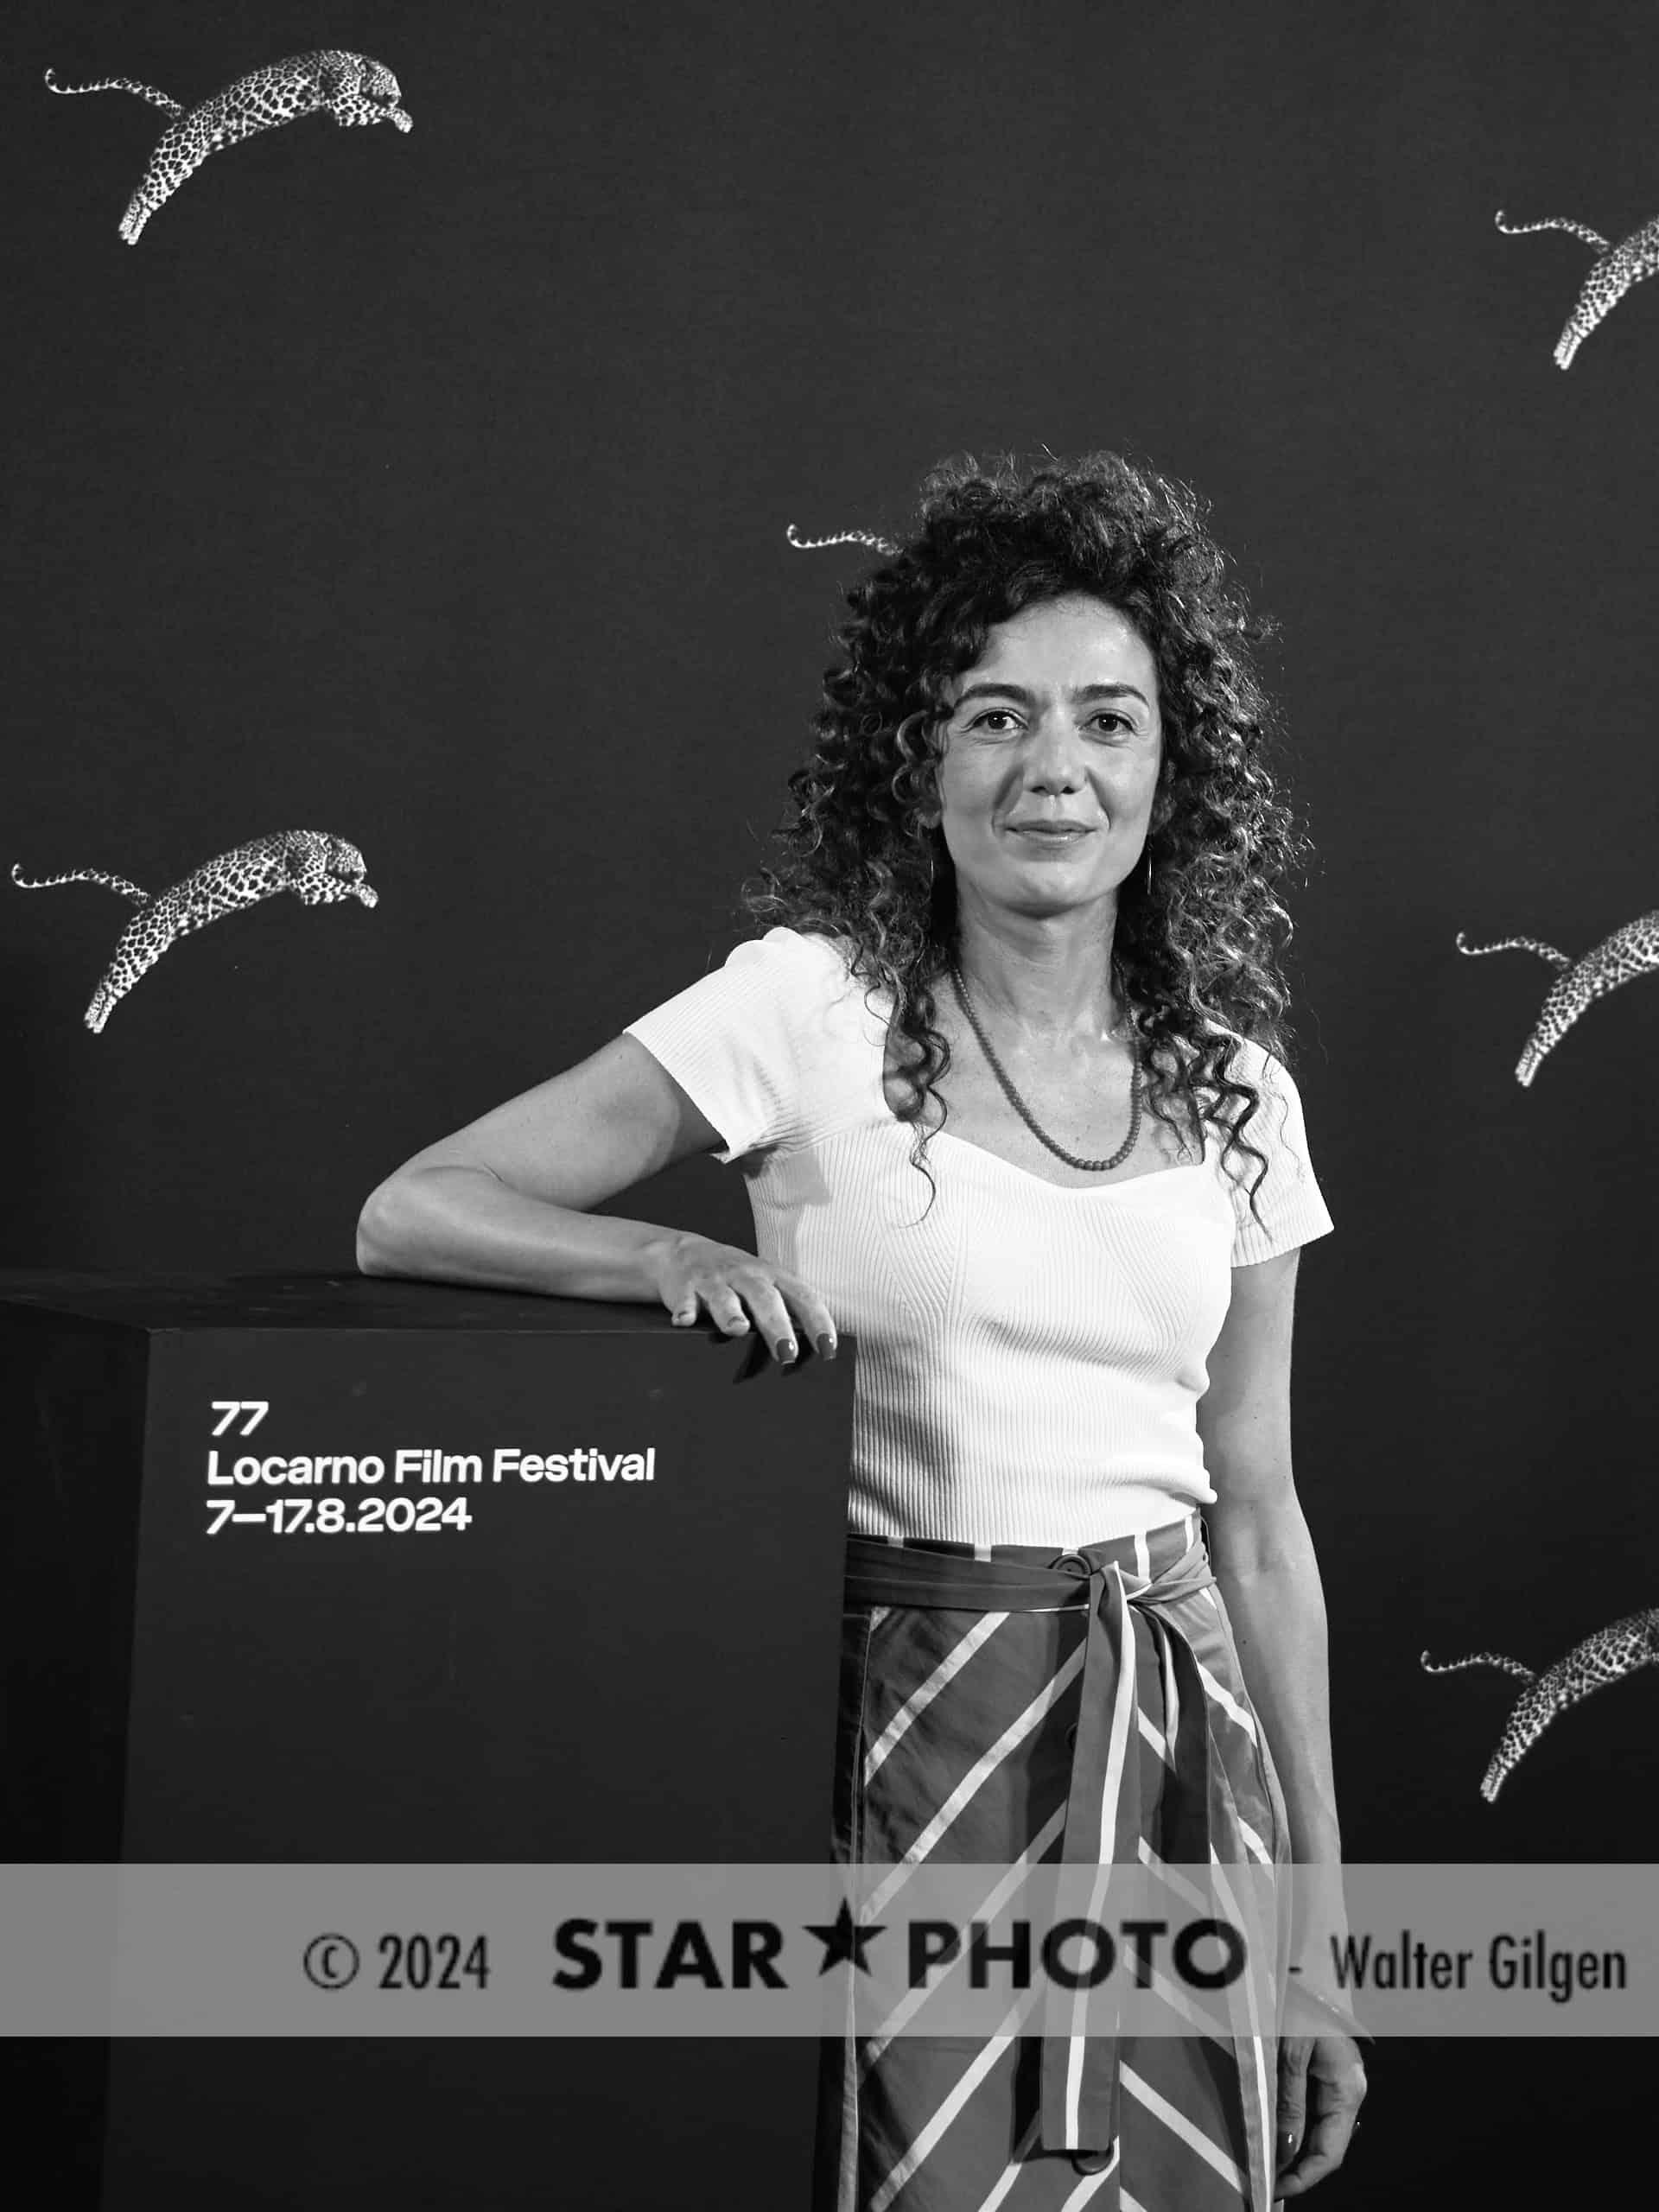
x: 319, y: 869
x: 841, y: 537
x: 1630, y: 951
x: 1613, y: 271
x: 1606, y: 1657
x: 351, y: 88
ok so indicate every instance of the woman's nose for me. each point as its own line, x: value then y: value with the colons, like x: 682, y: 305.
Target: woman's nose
x: 1055, y: 756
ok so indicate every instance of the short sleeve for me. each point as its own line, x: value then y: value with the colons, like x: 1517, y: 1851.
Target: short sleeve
x: 738, y: 1040
x: 1290, y: 1210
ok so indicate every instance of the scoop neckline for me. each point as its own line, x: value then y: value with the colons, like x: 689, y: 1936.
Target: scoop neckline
x: 1064, y: 1190
x: 1012, y: 1168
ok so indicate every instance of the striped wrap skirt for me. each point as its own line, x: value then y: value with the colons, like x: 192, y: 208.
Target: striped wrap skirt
x: 1009, y: 1703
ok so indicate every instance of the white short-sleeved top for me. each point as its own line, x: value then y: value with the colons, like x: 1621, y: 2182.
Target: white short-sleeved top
x: 1031, y: 1356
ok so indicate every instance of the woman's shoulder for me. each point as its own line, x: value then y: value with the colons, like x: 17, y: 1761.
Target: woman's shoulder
x: 817, y: 942
x: 796, y: 953
x: 1272, y: 1117
x: 1252, y: 1060
x: 1270, y: 1125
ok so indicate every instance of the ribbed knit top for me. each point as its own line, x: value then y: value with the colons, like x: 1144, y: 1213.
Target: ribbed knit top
x: 1031, y: 1355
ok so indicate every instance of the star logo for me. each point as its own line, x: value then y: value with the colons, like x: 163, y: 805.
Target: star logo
x: 843, y: 1940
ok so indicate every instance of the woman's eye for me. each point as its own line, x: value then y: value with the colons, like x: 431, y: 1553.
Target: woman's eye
x: 1118, y: 725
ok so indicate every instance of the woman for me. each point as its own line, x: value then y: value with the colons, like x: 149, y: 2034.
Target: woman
x: 1035, y: 854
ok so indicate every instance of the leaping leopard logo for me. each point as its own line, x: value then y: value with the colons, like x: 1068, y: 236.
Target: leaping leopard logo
x: 1606, y: 1657
x: 319, y: 869
x: 351, y: 88
x: 1612, y: 272
x: 841, y: 537
x: 1628, y: 953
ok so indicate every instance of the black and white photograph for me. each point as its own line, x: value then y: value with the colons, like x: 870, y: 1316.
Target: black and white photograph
x: 904, y: 1231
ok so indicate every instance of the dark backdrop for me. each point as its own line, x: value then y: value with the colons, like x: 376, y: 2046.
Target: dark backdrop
x: 431, y: 490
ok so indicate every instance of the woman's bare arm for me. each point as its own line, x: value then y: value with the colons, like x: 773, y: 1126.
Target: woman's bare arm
x: 1263, y: 1558
x: 503, y: 1203
x: 1262, y: 1552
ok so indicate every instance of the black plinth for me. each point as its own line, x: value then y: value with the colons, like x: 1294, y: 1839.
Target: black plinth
x: 569, y: 1588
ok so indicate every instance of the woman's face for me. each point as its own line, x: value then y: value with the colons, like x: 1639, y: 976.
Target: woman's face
x: 1058, y: 721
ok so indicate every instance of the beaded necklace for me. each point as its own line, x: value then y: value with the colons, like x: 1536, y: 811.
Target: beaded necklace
x: 1093, y: 1166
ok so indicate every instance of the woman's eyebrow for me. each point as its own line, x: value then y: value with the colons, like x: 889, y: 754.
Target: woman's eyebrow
x: 1084, y: 691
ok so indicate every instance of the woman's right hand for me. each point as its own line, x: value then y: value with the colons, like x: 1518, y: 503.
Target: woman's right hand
x: 690, y: 1272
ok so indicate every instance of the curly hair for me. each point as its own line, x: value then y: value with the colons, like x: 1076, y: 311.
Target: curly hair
x: 1200, y: 930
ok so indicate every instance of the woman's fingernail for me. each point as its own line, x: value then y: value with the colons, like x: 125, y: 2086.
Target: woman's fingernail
x: 786, y: 1350
x: 827, y: 1346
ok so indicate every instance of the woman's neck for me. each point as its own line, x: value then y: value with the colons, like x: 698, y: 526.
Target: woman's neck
x: 1048, y: 986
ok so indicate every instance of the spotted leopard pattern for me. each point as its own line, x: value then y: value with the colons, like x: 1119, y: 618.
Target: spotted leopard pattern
x: 351, y: 88
x: 1628, y: 953
x: 841, y: 537
x: 319, y: 869
x: 1607, y: 1656
x: 1613, y: 271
